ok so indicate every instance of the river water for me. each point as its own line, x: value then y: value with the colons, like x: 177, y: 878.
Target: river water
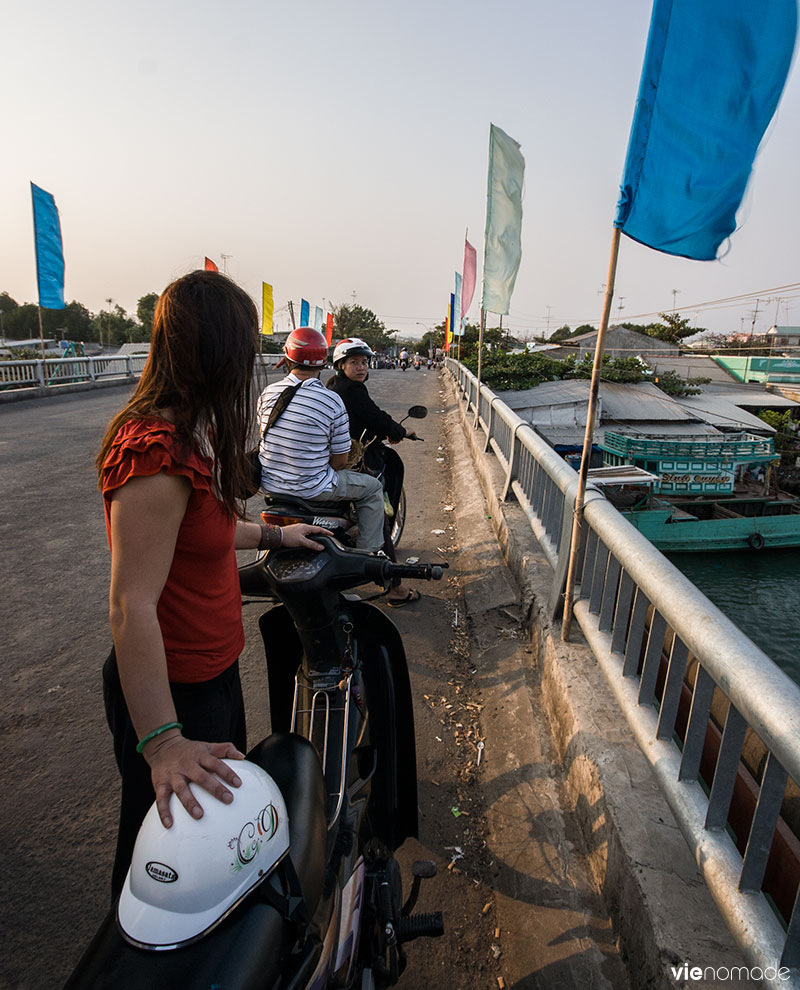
x: 760, y: 592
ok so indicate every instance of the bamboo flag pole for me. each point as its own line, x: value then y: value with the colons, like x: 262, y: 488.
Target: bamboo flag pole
x: 41, y: 341
x: 480, y: 362
x: 586, y: 456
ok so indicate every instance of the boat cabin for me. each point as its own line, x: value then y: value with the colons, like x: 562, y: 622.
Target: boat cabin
x: 692, y: 465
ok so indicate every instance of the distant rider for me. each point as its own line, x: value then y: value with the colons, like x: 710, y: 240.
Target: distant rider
x: 304, y: 453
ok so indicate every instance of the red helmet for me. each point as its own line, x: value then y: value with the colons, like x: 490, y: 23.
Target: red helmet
x: 306, y: 346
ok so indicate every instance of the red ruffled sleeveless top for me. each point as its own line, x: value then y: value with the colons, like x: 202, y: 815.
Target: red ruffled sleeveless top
x: 200, y: 608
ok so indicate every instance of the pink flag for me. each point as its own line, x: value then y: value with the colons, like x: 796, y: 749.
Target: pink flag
x: 469, y: 276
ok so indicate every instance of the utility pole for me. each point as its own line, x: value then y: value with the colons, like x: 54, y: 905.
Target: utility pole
x: 753, y: 324
x: 109, y: 303
x: 675, y: 293
x: 548, y: 321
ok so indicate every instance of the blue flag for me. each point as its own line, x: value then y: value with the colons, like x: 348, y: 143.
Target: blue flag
x: 49, y: 250
x: 712, y: 77
x: 304, y: 308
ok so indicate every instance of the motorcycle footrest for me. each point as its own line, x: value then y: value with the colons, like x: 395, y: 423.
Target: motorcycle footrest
x: 420, y: 926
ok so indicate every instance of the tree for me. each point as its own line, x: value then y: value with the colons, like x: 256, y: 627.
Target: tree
x: 7, y: 303
x: 561, y: 334
x: 145, y: 310
x: 352, y: 320
x: 115, y: 327
x: 517, y: 371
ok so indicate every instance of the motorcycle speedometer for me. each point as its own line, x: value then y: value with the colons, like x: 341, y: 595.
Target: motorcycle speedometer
x: 297, y: 567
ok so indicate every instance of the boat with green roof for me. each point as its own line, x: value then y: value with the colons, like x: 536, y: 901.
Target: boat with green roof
x: 699, y: 493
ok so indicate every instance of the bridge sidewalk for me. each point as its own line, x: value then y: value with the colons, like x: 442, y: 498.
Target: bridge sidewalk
x: 573, y: 803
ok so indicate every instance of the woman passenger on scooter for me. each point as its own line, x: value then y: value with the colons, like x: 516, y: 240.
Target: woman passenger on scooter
x: 370, y: 425
x: 171, y: 466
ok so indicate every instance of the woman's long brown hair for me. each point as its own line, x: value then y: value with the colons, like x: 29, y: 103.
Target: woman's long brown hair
x: 200, y: 367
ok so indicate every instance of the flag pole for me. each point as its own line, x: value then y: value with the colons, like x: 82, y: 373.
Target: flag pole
x: 586, y: 455
x: 480, y: 362
x: 41, y: 340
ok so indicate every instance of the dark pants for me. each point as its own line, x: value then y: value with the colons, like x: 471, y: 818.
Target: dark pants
x: 210, y: 710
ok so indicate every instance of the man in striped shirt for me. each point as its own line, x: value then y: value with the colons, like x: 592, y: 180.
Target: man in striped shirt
x: 304, y: 452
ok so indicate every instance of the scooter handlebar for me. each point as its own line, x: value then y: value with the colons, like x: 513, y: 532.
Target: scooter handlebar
x: 383, y: 569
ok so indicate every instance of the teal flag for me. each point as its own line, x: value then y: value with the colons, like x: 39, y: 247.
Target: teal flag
x: 503, y: 245
x: 49, y: 250
x: 318, y: 318
x: 712, y: 78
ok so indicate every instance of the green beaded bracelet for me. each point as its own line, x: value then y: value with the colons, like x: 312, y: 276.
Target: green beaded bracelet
x: 157, y: 732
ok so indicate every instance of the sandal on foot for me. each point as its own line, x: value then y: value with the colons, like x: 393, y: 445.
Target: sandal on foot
x: 412, y: 596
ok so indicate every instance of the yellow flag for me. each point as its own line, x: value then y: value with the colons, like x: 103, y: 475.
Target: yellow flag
x: 267, y: 306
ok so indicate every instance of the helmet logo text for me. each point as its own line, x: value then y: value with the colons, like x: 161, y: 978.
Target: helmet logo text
x: 161, y: 873
x: 253, y: 835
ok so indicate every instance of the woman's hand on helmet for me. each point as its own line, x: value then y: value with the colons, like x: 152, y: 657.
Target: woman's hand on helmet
x: 297, y: 535
x: 175, y: 762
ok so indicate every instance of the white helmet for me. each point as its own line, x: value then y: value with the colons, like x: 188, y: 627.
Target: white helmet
x: 351, y: 347
x: 185, y: 879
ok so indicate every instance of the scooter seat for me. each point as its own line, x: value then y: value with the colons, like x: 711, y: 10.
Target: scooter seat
x: 294, y: 765
x: 333, y: 508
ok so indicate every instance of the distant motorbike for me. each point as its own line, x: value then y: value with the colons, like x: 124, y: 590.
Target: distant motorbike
x: 296, y: 886
x: 339, y: 516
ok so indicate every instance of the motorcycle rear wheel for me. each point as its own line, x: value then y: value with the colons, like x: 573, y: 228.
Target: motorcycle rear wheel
x: 399, y: 520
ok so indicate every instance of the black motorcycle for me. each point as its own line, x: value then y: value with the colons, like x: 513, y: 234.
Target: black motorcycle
x: 339, y: 516
x: 342, y: 753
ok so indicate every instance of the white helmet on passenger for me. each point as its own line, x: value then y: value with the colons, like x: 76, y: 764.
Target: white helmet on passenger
x: 185, y: 879
x: 351, y: 347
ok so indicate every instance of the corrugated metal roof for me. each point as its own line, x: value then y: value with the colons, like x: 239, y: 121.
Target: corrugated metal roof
x: 718, y: 410
x: 572, y: 436
x: 750, y: 396
x: 690, y: 367
x: 139, y: 348
x: 562, y: 436
x: 642, y: 401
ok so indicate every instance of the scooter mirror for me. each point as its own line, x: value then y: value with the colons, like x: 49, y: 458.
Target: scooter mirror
x: 418, y: 412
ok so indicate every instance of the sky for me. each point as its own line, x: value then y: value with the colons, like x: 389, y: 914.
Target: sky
x: 338, y: 150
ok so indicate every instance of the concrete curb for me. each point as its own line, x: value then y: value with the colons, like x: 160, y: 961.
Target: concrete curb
x: 51, y: 391
x: 639, y: 859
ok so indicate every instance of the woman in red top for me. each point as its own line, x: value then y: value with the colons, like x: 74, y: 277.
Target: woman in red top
x: 171, y: 465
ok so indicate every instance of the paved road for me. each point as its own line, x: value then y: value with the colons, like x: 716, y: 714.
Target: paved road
x: 485, y: 824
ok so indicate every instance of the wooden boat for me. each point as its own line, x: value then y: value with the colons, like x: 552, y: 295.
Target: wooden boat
x: 698, y: 493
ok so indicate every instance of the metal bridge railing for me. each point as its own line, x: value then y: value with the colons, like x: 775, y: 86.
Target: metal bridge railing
x: 718, y: 720
x: 35, y: 373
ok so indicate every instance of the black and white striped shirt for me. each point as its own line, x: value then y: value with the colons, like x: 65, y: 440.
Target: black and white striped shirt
x: 296, y: 454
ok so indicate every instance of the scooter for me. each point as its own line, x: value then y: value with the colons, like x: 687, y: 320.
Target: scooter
x: 326, y: 910
x: 340, y: 517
